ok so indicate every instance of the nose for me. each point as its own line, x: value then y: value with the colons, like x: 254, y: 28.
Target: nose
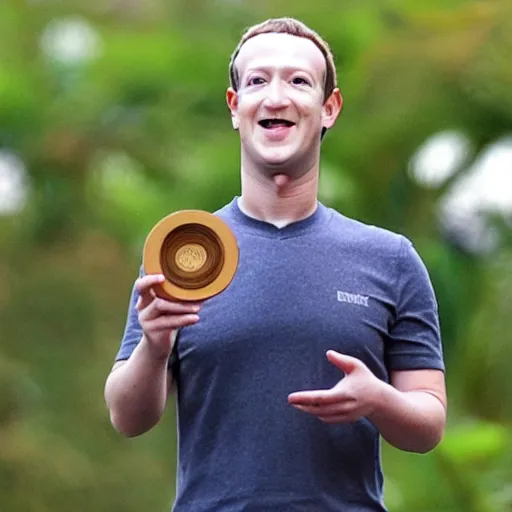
x: 276, y: 96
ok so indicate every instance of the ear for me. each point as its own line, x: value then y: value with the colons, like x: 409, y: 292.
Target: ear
x: 232, y: 101
x: 332, y: 109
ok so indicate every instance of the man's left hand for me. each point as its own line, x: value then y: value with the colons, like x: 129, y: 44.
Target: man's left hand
x: 354, y: 397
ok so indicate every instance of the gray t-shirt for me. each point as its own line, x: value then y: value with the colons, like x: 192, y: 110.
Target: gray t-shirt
x: 326, y: 282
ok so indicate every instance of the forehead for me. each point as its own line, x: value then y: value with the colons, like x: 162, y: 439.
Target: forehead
x: 280, y: 50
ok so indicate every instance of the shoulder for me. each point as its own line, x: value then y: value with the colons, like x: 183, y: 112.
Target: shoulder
x: 228, y: 210
x: 227, y: 213
x: 224, y: 211
x: 366, y: 236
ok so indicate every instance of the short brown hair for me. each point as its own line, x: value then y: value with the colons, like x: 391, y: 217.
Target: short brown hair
x: 292, y: 27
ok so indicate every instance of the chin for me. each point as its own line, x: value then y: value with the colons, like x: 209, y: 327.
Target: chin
x: 277, y: 159
x: 276, y: 163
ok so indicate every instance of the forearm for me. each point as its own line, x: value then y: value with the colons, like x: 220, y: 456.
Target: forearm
x: 412, y: 421
x: 136, y: 393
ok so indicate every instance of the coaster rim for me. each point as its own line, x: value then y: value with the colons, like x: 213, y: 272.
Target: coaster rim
x: 160, y: 231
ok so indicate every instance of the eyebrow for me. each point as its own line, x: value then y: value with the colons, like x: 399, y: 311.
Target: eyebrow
x: 286, y: 69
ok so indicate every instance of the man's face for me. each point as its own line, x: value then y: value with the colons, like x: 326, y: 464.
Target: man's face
x: 279, y: 108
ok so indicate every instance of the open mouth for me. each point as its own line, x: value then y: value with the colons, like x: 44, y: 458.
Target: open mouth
x: 274, y: 123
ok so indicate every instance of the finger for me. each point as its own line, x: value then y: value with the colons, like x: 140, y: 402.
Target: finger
x: 314, y: 398
x: 145, y: 299
x: 336, y: 409
x: 346, y: 364
x: 165, y: 323
x: 144, y: 283
x: 144, y: 286
x: 158, y: 307
x: 332, y: 418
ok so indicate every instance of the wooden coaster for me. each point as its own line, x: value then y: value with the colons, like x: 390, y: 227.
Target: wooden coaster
x: 197, y: 253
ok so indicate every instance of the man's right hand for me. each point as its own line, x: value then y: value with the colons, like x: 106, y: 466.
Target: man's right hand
x: 160, y: 318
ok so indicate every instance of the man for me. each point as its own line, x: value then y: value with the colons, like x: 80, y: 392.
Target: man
x: 326, y: 339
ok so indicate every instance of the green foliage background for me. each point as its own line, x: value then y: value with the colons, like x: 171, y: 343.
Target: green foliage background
x: 115, y: 140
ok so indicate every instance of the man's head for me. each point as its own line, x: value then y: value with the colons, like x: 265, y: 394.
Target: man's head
x: 292, y: 27
x: 283, y: 95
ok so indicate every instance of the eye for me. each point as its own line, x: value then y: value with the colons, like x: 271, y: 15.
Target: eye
x: 255, y: 80
x: 299, y: 80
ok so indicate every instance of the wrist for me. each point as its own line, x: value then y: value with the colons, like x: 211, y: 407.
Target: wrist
x: 382, y: 398
x: 153, y: 352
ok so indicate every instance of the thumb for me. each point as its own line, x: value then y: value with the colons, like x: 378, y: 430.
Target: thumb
x: 346, y: 364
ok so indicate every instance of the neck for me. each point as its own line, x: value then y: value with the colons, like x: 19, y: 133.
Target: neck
x: 279, y: 199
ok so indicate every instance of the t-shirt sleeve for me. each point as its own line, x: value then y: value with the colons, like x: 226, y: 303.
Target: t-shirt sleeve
x: 415, y: 338
x: 132, y: 331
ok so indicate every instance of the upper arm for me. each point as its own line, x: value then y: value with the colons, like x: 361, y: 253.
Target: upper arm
x: 118, y: 365
x: 428, y: 381
x: 414, y: 341
x: 170, y: 380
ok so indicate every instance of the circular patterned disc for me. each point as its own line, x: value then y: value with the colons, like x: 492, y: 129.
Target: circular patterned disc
x: 196, y: 252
